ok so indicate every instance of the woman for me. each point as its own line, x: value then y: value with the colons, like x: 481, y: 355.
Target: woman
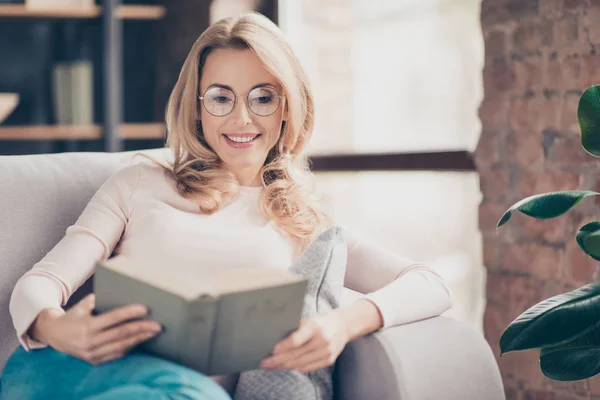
x: 238, y: 191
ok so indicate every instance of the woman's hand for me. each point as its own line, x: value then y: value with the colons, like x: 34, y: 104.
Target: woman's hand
x: 94, y: 338
x: 314, y: 345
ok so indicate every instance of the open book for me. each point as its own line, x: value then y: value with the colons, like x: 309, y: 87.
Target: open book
x: 223, y: 324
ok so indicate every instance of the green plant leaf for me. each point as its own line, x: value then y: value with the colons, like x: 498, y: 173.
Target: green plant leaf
x: 547, y: 205
x: 588, y: 114
x: 575, y: 360
x: 554, y: 321
x: 588, y: 239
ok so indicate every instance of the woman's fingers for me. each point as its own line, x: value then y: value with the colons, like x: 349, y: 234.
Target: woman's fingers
x: 281, y: 360
x: 118, y: 316
x: 118, y: 348
x: 322, y: 363
x: 309, y: 359
x: 298, y: 338
x: 85, y: 306
x: 124, y: 331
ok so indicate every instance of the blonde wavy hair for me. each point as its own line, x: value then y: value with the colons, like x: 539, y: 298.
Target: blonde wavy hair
x: 288, y: 196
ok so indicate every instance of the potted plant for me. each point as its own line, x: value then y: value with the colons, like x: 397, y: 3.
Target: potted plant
x: 565, y: 327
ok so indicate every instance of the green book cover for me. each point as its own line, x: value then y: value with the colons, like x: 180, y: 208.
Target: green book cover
x: 224, y: 325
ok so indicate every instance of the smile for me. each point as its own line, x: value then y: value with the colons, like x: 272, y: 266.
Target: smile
x: 241, y: 139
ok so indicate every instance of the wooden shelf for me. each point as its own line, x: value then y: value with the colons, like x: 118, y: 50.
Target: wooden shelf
x: 143, y: 131
x: 124, y: 12
x: 79, y: 132
x: 141, y: 12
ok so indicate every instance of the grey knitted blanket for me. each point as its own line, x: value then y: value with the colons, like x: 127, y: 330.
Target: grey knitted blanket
x: 323, y: 264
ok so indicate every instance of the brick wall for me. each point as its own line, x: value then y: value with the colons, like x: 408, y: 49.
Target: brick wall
x: 540, y: 56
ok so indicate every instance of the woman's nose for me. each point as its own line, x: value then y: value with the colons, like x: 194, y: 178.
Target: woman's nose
x: 241, y: 114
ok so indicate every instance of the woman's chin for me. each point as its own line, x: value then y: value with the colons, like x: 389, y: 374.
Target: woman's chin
x: 243, y: 163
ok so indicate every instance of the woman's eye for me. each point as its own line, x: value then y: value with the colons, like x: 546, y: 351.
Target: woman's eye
x: 265, y: 99
x: 221, y: 99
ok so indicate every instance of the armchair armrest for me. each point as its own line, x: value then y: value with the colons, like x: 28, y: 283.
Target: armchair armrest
x: 437, y: 358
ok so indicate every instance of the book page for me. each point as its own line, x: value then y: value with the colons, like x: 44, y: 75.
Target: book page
x: 242, y: 279
x: 190, y: 287
x: 160, y: 278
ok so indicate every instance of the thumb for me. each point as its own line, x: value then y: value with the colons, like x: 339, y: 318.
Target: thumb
x: 87, y: 304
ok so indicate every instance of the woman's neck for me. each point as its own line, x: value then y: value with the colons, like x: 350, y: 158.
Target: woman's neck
x: 248, y: 178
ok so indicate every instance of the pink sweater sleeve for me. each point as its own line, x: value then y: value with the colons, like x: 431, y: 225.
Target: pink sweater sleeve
x: 402, y: 290
x: 50, y: 282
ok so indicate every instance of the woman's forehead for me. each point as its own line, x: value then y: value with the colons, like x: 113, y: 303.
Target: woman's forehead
x: 239, y: 69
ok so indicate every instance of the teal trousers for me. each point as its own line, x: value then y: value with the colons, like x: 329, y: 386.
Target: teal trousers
x: 50, y: 374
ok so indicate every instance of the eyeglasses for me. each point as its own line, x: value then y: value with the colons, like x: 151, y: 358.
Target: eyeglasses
x: 220, y: 101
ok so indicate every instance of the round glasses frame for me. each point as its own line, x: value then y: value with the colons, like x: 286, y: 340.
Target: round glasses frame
x: 236, y: 95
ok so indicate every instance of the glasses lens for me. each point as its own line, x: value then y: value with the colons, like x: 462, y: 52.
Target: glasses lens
x: 263, y: 101
x: 219, y: 101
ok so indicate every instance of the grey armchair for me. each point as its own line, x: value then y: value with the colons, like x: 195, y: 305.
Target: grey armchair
x: 435, y: 359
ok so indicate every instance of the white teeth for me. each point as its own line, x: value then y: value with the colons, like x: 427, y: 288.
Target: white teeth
x: 241, y: 139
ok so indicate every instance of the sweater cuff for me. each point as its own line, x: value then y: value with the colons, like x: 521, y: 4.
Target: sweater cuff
x: 30, y: 297
x: 415, y: 296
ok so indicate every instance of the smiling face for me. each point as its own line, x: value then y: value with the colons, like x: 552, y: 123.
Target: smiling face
x: 242, y: 139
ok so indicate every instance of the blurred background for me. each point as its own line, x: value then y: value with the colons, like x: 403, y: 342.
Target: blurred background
x: 407, y: 149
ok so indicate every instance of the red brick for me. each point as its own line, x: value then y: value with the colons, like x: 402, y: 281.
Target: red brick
x: 531, y: 182
x: 495, y: 184
x: 593, y: 16
x: 512, y: 393
x: 498, y: 288
x: 579, y: 267
x: 489, y: 150
x: 573, y: 73
x: 529, y: 37
x: 567, y: 72
x: 515, y: 293
x: 548, y: 230
x: 574, y: 5
x: 491, y: 255
x: 564, y: 390
x: 529, y: 72
x: 568, y: 113
x: 525, y: 295
x: 525, y: 366
x: 497, y: 76
x: 540, y: 261
x: 551, y: 8
x: 550, y: 110
x: 497, y: 12
x: 493, y: 113
x: 489, y: 215
x: 524, y: 149
x: 594, y: 385
x: 538, y: 395
x: 495, y: 321
x: 495, y: 43
x: 566, y: 31
x: 567, y: 151
x: 567, y: 396
x: 554, y: 72
x: 524, y: 113
x: 592, y: 66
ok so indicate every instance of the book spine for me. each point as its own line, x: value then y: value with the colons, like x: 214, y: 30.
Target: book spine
x: 61, y: 83
x: 82, y: 96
